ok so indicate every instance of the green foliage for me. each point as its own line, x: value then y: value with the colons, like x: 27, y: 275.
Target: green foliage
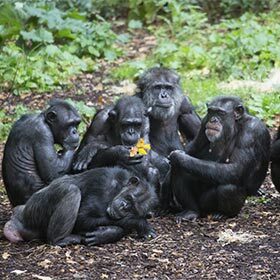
x: 152, y: 10
x: 42, y: 46
x: 86, y: 113
x: 265, y: 106
x: 245, y: 48
x: 7, y: 120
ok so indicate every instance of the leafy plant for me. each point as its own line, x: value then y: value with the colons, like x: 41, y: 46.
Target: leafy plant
x: 7, y: 120
x: 86, y: 113
x: 43, y: 47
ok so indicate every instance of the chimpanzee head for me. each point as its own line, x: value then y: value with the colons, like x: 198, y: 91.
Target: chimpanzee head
x: 63, y: 120
x: 160, y: 90
x: 222, y: 118
x: 130, y: 120
x: 136, y: 199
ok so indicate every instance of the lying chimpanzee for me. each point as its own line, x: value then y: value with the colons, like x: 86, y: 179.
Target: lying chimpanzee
x: 171, y: 111
x: 104, y: 203
x: 30, y: 160
x: 112, y: 133
x: 275, y: 161
x: 227, y: 161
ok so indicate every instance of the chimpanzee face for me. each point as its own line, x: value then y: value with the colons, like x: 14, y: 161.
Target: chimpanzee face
x: 133, y: 200
x: 161, y: 92
x: 64, y: 122
x: 220, y: 121
x: 129, y: 125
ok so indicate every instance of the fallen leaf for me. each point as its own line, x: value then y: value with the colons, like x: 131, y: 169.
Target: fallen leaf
x: 104, y: 276
x: 45, y: 263
x: 229, y: 236
x: 41, y: 277
x: 5, y: 255
x: 18, y: 272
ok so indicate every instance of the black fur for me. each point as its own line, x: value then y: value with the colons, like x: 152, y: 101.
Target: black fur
x: 275, y: 161
x: 110, y: 136
x: 104, y: 203
x: 226, y: 162
x: 170, y: 111
x: 30, y: 161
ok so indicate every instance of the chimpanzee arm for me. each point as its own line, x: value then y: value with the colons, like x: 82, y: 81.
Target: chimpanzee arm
x: 97, y: 127
x: 197, y: 144
x: 49, y: 163
x: 189, y: 121
x: 219, y: 173
x: 112, y: 156
x: 84, y: 156
x: 275, y: 151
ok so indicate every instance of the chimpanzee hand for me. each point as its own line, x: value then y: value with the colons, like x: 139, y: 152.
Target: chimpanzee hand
x: 103, y: 235
x: 83, y: 159
x: 123, y: 155
x: 177, y: 156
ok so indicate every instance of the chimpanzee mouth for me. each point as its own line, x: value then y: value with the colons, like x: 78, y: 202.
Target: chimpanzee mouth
x: 212, y: 129
x: 163, y: 105
x: 129, y: 143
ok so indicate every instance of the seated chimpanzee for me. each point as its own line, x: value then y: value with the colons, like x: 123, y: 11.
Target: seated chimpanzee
x: 112, y: 133
x: 97, y: 206
x: 226, y: 162
x: 171, y: 111
x: 275, y: 161
x: 30, y: 160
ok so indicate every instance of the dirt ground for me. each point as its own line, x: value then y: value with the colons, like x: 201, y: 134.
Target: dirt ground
x: 245, y: 247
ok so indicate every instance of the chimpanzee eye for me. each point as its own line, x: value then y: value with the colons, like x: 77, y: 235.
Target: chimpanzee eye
x: 157, y: 88
x: 168, y: 88
x: 124, y: 205
x: 222, y: 113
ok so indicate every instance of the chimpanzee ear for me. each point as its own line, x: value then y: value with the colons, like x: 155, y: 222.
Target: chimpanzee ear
x: 134, y: 180
x: 51, y: 116
x: 238, y: 112
x: 113, y: 115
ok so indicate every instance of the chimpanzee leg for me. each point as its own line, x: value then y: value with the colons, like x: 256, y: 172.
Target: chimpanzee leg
x: 183, y: 188
x: 104, y: 235
x: 64, y: 216
x: 225, y: 200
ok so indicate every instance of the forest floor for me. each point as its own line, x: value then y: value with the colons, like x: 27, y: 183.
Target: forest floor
x: 245, y: 247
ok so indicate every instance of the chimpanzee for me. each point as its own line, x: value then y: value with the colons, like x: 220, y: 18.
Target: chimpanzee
x: 94, y: 207
x: 112, y: 133
x: 171, y: 111
x: 275, y: 161
x: 226, y: 162
x: 30, y: 160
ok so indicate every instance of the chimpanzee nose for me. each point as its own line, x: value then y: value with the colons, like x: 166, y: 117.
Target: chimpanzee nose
x: 213, y: 120
x: 163, y: 94
x: 131, y: 131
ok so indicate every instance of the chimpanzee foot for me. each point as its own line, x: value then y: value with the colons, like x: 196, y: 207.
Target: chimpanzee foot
x: 218, y: 216
x: 69, y: 240
x: 187, y: 216
x: 150, y: 234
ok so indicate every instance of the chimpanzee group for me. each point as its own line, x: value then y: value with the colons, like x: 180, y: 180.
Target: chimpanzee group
x: 96, y: 192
